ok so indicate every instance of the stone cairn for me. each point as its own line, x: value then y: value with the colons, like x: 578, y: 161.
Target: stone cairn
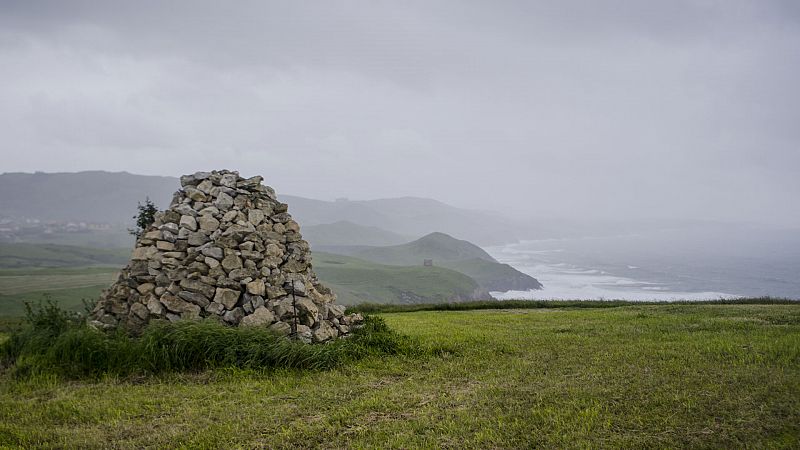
x: 226, y: 248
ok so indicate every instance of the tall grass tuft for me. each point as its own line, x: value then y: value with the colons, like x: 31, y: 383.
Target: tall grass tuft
x: 55, y: 342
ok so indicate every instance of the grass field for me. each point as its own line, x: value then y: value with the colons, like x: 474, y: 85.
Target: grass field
x: 69, y: 287
x: 52, y: 255
x: 71, y: 274
x: 355, y: 281
x: 725, y: 376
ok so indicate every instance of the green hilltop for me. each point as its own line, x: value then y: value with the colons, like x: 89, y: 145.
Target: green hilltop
x: 456, y: 254
x: 357, y: 281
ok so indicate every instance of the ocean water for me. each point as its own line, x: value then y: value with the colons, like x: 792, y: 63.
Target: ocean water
x: 692, y: 263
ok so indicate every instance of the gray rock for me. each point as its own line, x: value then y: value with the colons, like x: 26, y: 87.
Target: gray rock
x: 145, y: 288
x: 324, y: 332
x: 165, y: 246
x: 197, y: 238
x: 260, y: 317
x: 224, y: 201
x: 229, y: 180
x: 304, y: 334
x: 281, y: 217
x: 250, y: 183
x: 255, y: 216
x: 140, y: 311
x: 281, y: 328
x: 183, y: 233
x: 143, y: 253
x: 188, y: 180
x: 155, y: 307
x: 307, y: 311
x: 335, y: 311
x: 233, y: 316
x: 185, y: 210
x: 205, y: 186
x: 208, y: 223
x: 211, y: 262
x: 194, y: 297
x: 152, y: 235
x: 198, y: 286
x: 188, y: 222
x: 178, y: 305
x: 273, y: 250
x: 170, y: 226
x: 256, y: 287
x: 230, y: 216
x: 231, y: 262
x: 215, y: 308
x: 227, y: 297
x: 214, y: 252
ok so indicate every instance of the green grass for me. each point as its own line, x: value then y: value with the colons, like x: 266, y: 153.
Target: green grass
x: 52, y: 255
x: 60, y: 343
x: 450, y: 253
x: 68, y: 286
x: 491, y: 275
x: 13, y: 306
x: 634, y: 376
x: 371, y: 308
x: 356, y: 281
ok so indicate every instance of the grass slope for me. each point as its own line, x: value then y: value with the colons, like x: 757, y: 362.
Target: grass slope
x: 51, y: 255
x: 67, y: 286
x: 459, y: 255
x: 652, y: 376
x: 357, y: 281
x: 493, y: 276
x: 436, y: 246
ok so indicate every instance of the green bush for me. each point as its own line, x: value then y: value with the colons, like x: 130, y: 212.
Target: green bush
x: 56, y: 342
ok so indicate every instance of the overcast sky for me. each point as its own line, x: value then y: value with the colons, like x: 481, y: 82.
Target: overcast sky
x: 687, y: 109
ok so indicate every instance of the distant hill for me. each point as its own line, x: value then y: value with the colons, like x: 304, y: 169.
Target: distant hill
x: 346, y: 233
x: 437, y: 246
x: 96, y: 196
x: 356, y: 280
x: 111, y: 197
x: 459, y: 255
x: 408, y: 216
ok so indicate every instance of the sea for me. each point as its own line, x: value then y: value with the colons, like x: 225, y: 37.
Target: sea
x: 686, y: 263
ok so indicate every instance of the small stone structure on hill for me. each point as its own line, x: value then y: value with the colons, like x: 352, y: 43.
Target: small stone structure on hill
x: 225, y: 248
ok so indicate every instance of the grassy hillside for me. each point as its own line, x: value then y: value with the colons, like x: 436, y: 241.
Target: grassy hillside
x: 73, y: 279
x: 459, y: 255
x: 436, y: 246
x: 66, y: 274
x: 678, y: 376
x: 68, y: 286
x: 493, y: 276
x: 357, y: 281
x: 348, y: 233
x: 51, y: 255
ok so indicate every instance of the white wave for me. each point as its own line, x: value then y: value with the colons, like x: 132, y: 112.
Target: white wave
x: 564, y: 281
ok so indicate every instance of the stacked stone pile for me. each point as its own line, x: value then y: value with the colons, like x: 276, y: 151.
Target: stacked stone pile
x: 225, y: 248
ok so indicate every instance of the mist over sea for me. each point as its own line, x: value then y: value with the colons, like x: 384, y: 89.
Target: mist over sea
x: 692, y: 263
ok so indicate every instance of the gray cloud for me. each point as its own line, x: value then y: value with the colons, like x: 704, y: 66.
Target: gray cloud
x: 629, y: 109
